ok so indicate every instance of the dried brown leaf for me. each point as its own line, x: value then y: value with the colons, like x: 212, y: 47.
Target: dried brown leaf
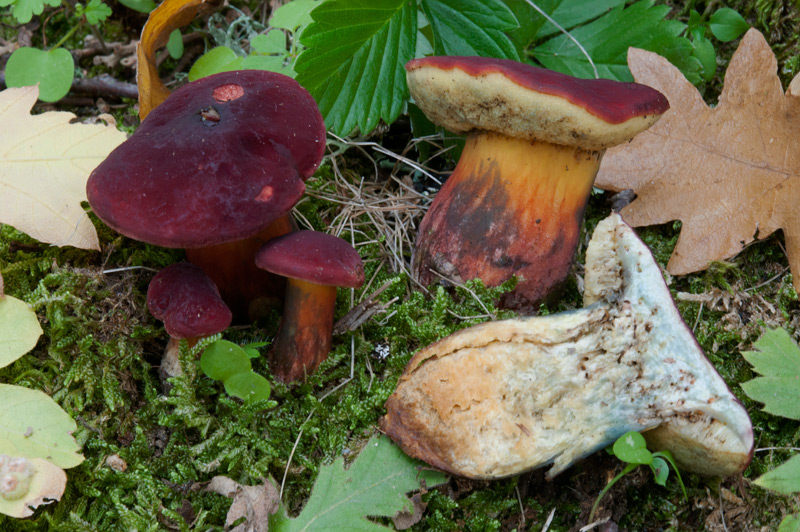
x: 254, y: 503
x: 728, y: 173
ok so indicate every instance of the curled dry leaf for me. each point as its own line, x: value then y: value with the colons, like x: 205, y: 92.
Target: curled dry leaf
x: 169, y: 16
x: 26, y: 484
x: 45, y: 161
x: 730, y: 174
x: 254, y: 503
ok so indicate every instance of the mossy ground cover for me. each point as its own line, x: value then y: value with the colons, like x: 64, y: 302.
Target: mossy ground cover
x: 100, y: 353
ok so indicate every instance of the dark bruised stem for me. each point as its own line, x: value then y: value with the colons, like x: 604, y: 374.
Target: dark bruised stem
x: 512, y: 206
x: 248, y: 290
x: 304, y: 337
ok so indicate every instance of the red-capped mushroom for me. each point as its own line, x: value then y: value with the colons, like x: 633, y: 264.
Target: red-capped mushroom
x: 515, y: 202
x: 215, y: 169
x: 188, y: 302
x: 315, y: 264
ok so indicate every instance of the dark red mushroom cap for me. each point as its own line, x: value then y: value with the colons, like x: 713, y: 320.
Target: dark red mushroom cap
x: 187, y: 301
x: 220, y: 159
x: 521, y: 100
x: 313, y: 257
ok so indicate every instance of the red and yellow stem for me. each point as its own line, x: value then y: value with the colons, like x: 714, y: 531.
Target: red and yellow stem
x: 305, y: 333
x: 511, y: 207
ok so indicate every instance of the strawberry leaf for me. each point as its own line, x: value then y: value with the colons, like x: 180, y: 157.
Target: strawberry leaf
x: 778, y: 360
x: 471, y: 27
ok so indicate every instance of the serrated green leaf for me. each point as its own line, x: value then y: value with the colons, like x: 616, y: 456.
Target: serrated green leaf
x: 780, y: 395
x: 607, y: 40
x: 24, y: 10
x: 19, y: 329
x: 631, y: 447
x: 375, y: 484
x: 790, y: 523
x: 727, y: 25
x: 32, y: 425
x: 570, y: 14
x: 250, y: 387
x: 52, y: 70
x: 778, y: 359
x: 784, y: 479
x: 96, y: 12
x: 223, y: 359
x: 471, y: 27
x: 777, y: 354
x: 293, y: 15
x: 353, y: 65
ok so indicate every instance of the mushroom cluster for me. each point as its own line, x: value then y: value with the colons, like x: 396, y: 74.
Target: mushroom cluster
x: 504, y: 397
x: 215, y: 169
x: 515, y: 201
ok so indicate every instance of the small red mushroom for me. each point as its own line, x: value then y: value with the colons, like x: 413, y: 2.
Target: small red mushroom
x: 215, y: 168
x: 515, y: 202
x: 314, y: 264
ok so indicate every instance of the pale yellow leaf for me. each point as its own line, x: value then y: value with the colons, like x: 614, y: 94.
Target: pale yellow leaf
x: 44, y: 164
x: 46, y: 485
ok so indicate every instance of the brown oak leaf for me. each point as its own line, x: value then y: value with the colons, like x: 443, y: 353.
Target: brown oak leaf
x: 730, y: 173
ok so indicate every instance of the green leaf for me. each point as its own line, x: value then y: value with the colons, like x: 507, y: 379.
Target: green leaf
x: 660, y: 469
x: 142, y: 6
x: 96, y: 12
x: 293, y: 15
x: 375, y: 484
x: 353, y: 65
x: 705, y: 53
x: 666, y: 455
x: 248, y: 386
x: 790, y: 523
x: 223, y: 359
x: 19, y: 329
x: 32, y: 425
x: 214, y: 61
x: 570, y: 14
x: 608, y: 38
x: 52, y: 70
x: 727, y: 25
x: 778, y: 359
x: 632, y: 448
x: 272, y: 42
x: 471, y: 27
x: 175, y: 44
x: 784, y: 479
x: 24, y: 10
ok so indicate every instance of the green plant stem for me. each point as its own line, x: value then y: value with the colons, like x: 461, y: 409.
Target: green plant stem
x: 68, y: 35
x: 628, y: 469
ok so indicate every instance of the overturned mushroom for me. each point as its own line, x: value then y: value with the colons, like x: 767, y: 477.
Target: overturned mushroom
x: 514, y: 204
x: 504, y: 397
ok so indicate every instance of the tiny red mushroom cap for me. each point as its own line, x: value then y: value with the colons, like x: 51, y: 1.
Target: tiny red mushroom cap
x: 187, y: 301
x: 520, y: 100
x: 314, y: 257
x: 219, y: 160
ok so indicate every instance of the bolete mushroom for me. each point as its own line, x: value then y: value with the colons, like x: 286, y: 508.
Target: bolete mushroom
x: 315, y: 264
x: 504, y: 397
x: 215, y: 168
x: 514, y: 203
x: 188, y: 302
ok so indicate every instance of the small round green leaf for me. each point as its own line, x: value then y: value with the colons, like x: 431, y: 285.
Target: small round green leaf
x: 249, y: 387
x: 19, y: 329
x: 660, y: 469
x: 142, y: 6
x: 631, y: 448
x: 223, y: 359
x: 216, y: 60
x: 727, y: 25
x: 52, y: 70
x: 704, y: 51
x: 175, y: 44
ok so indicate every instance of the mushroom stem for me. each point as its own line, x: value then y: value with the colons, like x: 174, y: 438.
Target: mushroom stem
x: 512, y: 206
x: 304, y: 337
x: 248, y: 290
